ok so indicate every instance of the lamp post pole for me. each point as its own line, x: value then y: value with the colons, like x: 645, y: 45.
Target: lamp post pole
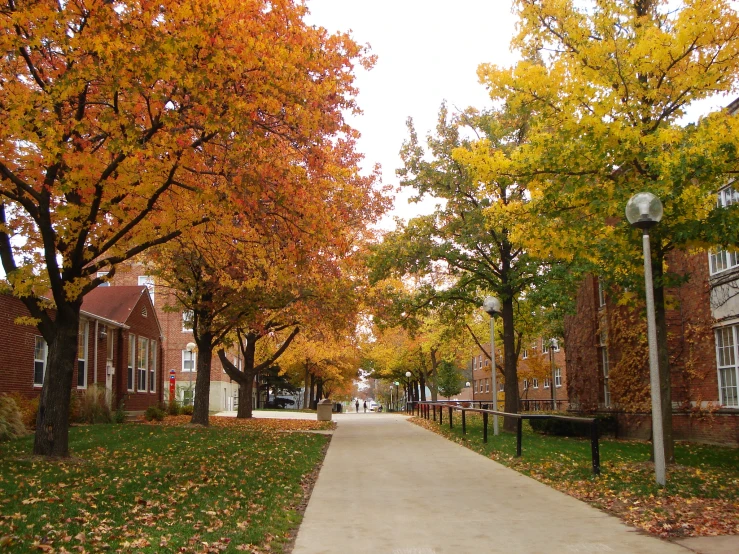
x: 551, y: 362
x: 409, y: 396
x: 491, y: 305
x: 644, y: 210
x: 191, y: 346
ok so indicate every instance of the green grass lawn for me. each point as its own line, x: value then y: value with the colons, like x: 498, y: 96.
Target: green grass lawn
x: 142, y: 488
x: 700, y: 497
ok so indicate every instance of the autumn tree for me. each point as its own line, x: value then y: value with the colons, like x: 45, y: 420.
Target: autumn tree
x: 467, y: 248
x: 119, y: 115
x: 449, y: 380
x: 606, y: 84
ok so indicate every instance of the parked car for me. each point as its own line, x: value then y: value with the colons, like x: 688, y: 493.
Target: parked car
x: 372, y: 406
x: 279, y: 403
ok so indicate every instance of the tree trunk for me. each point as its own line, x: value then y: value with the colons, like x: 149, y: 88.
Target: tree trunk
x: 319, y: 391
x: 202, y: 381
x: 52, y: 420
x: 510, y: 370
x: 306, y: 387
x: 434, y: 376
x: 422, y: 382
x: 312, y: 396
x: 247, y: 391
x: 664, y: 360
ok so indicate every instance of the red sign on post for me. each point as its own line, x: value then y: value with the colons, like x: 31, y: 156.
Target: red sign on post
x: 171, y: 385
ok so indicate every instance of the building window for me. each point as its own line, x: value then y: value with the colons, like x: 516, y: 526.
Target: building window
x: 535, y: 383
x: 148, y: 282
x: 187, y: 319
x: 188, y: 360
x: 474, y: 362
x: 131, y: 360
x: 546, y: 382
x: 554, y: 345
x: 39, y: 362
x: 606, y: 386
x: 525, y: 384
x: 188, y: 395
x: 721, y: 260
x: 525, y: 354
x: 103, y: 274
x: 727, y: 340
x: 153, y: 368
x: 557, y: 377
x: 501, y: 386
x: 487, y: 385
x: 601, y: 294
x: 82, y: 355
x: 143, y: 365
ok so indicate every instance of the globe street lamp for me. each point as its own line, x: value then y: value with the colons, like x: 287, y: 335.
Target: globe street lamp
x: 644, y: 211
x: 467, y: 384
x: 491, y: 305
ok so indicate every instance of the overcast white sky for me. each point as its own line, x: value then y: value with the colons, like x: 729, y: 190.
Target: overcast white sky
x: 427, y: 51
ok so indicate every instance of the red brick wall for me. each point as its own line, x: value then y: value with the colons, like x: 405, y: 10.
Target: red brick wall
x: 720, y: 427
x: 17, y: 343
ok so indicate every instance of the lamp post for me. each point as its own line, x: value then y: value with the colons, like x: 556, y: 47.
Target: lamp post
x: 467, y: 384
x: 552, y: 342
x: 644, y: 211
x: 409, y: 395
x: 190, y: 347
x: 397, y: 392
x: 491, y: 305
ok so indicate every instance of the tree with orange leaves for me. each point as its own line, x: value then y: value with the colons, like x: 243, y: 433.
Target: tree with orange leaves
x: 124, y: 122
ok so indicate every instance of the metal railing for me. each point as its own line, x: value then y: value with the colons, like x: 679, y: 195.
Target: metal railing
x: 427, y: 410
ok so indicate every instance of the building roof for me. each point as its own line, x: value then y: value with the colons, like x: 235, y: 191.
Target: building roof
x: 113, y: 303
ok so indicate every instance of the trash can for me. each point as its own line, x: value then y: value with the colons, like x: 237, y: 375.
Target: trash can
x: 323, y: 410
x: 337, y: 407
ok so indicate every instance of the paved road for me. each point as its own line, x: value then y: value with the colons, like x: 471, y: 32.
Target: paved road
x: 390, y: 487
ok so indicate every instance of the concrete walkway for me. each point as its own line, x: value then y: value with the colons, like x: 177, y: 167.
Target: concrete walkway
x: 390, y: 487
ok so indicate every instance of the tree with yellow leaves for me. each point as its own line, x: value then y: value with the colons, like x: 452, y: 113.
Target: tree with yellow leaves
x: 606, y: 83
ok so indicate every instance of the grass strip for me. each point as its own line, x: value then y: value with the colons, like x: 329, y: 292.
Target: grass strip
x: 147, y: 488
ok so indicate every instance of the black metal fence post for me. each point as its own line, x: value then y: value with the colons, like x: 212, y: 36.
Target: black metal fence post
x: 519, y: 435
x: 450, y: 418
x: 441, y: 415
x: 434, y: 407
x: 594, y: 447
x: 464, y: 424
x: 485, y: 427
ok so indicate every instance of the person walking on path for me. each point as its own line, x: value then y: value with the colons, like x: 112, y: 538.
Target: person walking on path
x: 356, y: 405
x: 365, y: 406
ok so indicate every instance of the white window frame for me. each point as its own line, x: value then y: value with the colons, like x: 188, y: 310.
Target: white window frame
x: 487, y: 385
x: 153, y: 367
x: 185, y: 355
x: 474, y: 363
x: 601, y: 294
x: 525, y: 354
x: 535, y: 383
x: 606, y: 362
x: 148, y: 282
x: 131, y: 374
x: 188, y: 397
x: 40, y: 344
x: 142, y: 367
x: 546, y: 382
x: 727, y: 364
x: 501, y: 386
x: 525, y: 384
x: 187, y: 319
x: 82, y: 365
x: 557, y: 377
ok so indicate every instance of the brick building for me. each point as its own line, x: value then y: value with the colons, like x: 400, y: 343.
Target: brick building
x: 608, y: 363
x: 178, y: 360
x: 119, y: 348
x: 534, y: 376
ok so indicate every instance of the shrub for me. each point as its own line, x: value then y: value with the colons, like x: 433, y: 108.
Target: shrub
x: 154, y: 412
x: 173, y: 408
x: 28, y: 408
x: 93, y: 407
x: 11, y: 421
x: 564, y: 428
x: 187, y: 410
x: 119, y: 416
